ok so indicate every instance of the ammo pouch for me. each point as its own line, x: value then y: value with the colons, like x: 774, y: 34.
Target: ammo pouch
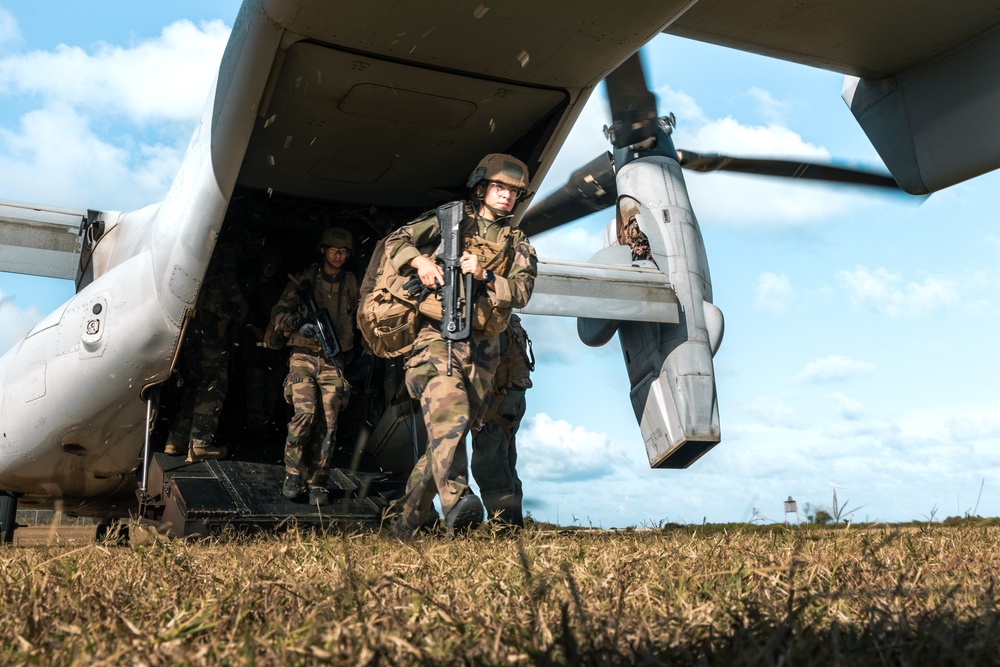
x: 487, y: 319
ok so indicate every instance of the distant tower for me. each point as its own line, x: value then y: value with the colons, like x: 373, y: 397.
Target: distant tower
x: 791, y: 506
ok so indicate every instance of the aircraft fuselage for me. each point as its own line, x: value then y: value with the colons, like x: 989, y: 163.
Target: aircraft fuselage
x: 381, y: 107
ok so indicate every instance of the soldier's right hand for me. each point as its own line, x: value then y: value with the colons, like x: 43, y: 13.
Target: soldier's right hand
x: 308, y: 330
x: 431, y: 275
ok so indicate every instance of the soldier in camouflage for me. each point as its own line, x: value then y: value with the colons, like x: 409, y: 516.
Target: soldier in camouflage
x: 316, y: 387
x: 503, y: 262
x: 494, y: 444
x: 206, y: 359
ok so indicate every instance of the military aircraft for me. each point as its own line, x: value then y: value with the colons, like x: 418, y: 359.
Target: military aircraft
x: 371, y: 114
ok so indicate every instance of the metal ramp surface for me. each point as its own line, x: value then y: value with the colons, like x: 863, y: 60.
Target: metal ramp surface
x: 207, y: 497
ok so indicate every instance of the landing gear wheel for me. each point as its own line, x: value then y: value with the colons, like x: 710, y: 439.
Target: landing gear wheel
x: 8, y: 516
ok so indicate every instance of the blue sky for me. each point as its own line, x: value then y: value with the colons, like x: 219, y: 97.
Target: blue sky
x: 859, y: 328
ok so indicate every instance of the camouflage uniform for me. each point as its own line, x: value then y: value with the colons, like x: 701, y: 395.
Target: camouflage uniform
x: 315, y: 385
x: 494, y: 444
x: 451, y: 405
x: 206, y: 359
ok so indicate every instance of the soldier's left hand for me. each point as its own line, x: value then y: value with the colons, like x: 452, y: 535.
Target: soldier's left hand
x: 470, y: 264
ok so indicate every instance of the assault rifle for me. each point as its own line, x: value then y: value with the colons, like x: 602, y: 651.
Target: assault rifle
x: 456, y: 298
x: 325, y: 332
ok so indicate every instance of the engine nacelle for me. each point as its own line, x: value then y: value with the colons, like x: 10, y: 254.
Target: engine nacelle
x: 670, y: 365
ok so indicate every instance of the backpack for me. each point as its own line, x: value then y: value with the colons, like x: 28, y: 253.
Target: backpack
x: 387, y: 313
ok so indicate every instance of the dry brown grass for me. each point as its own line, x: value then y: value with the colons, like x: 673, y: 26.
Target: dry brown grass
x: 687, y: 596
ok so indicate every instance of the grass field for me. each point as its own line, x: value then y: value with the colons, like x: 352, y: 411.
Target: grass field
x: 709, y: 595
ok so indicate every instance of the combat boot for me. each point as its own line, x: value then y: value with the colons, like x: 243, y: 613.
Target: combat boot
x: 396, y: 522
x: 467, y: 514
x: 401, y: 530
x: 293, y: 487
x: 504, y: 510
x: 205, y: 452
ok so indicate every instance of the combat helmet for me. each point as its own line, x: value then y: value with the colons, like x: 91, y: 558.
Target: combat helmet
x: 501, y: 168
x: 335, y: 237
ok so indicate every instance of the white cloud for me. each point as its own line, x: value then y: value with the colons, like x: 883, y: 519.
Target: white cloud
x: 886, y: 292
x: 769, y: 410
x: 741, y: 200
x: 74, y: 150
x: 975, y: 427
x: 773, y: 293
x: 945, y: 422
x: 58, y: 159
x: 683, y: 106
x: 724, y: 198
x: 833, y: 369
x: 9, y: 31
x: 896, y: 467
x: 167, y: 78
x: 849, y: 408
x: 728, y: 135
x: 744, y: 200
x: 554, y: 450
x: 771, y: 107
x: 572, y: 242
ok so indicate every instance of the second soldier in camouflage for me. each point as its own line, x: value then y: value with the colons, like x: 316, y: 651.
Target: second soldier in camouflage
x: 316, y: 386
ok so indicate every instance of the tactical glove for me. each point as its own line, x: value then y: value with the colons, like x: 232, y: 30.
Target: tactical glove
x: 308, y: 330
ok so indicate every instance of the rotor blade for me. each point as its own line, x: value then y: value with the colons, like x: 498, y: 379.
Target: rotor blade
x: 589, y: 189
x: 593, y: 188
x: 633, y: 106
x: 783, y: 168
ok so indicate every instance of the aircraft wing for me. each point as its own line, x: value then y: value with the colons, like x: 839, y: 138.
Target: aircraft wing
x: 858, y: 37
x: 41, y: 241
x: 922, y: 80
x: 576, y: 289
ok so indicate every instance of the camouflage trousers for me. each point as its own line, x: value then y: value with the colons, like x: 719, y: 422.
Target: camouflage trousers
x: 318, y: 391
x: 449, y: 405
x: 494, y: 459
x: 206, y: 382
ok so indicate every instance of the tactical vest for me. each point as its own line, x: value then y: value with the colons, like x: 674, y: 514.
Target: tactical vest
x: 336, y: 298
x: 389, y: 316
x: 496, y: 256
